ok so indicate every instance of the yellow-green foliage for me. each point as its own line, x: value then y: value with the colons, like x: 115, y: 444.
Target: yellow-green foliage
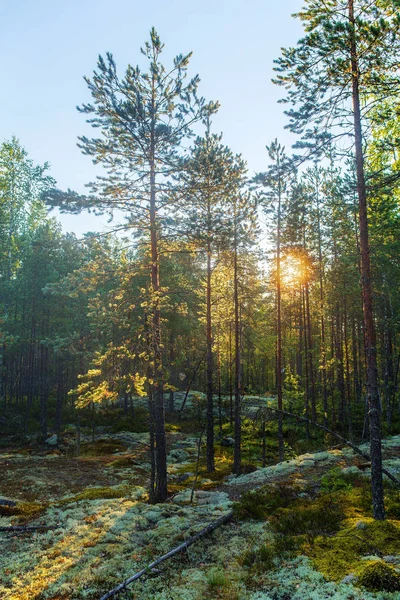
x: 341, y: 554
x: 378, y: 576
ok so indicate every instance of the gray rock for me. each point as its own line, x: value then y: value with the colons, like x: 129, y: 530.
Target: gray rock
x: 228, y: 442
x: 361, y: 525
x: 395, y: 560
x: 52, y: 440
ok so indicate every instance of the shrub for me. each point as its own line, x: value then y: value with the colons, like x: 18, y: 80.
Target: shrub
x: 262, y: 503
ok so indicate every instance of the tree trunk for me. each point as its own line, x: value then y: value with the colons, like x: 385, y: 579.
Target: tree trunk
x: 237, y: 459
x: 209, y: 370
x: 161, y: 492
x: 374, y: 408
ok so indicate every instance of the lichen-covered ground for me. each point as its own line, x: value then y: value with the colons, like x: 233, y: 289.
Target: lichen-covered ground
x: 307, y: 535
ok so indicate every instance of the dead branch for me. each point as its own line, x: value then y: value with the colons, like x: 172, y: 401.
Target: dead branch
x: 149, y: 569
x: 23, y: 528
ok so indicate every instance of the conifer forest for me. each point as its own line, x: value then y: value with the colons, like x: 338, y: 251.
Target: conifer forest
x: 201, y: 400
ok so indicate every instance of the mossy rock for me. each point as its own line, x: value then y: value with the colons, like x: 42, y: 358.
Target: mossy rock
x: 378, y: 576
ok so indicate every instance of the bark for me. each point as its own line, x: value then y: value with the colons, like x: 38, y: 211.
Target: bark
x: 161, y: 492
x: 374, y: 408
x: 279, y: 324
x: 237, y: 459
x: 209, y: 370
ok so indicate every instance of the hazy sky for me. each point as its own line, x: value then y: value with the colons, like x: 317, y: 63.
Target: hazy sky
x: 46, y: 46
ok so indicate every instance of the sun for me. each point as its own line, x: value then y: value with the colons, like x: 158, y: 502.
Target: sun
x: 292, y: 270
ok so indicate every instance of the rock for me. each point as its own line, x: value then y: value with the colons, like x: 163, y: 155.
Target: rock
x: 52, y: 440
x: 394, y: 560
x: 228, y: 442
x: 184, y: 476
x: 361, y: 525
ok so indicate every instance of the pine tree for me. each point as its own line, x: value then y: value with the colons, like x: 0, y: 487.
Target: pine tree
x: 210, y: 176
x: 143, y: 118
x: 349, y: 54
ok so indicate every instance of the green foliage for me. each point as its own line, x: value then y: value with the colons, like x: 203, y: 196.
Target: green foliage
x: 309, y: 518
x: 262, y: 503
x: 261, y: 559
x: 334, y: 482
x: 217, y: 578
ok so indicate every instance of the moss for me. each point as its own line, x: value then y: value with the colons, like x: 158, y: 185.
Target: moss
x: 102, y: 447
x: 23, y: 510
x: 377, y: 576
x: 122, y: 463
x: 95, y: 493
x: 339, y: 555
x: 309, y: 518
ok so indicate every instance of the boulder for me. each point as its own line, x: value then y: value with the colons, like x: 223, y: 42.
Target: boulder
x: 52, y: 440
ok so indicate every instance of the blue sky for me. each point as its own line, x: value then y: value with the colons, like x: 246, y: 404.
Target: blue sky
x: 46, y: 46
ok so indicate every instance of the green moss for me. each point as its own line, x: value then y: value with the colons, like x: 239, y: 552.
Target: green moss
x: 377, y: 576
x: 122, y: 463
x: 23, y: 510
x: 102, y: 447
x: 95, y: 493
x: 340, y: 555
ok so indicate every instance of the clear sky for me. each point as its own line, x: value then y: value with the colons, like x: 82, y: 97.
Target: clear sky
x: 46, y: 46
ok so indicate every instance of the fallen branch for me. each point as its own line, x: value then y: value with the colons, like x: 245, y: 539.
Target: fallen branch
x: 356, y: 449
x: 119, y: 588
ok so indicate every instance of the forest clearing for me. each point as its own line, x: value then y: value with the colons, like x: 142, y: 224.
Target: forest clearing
x: 199, y: 397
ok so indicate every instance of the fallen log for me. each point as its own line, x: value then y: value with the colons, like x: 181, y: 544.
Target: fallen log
x: 149, y: 569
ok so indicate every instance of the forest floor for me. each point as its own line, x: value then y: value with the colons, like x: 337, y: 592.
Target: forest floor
x: 305, y: 533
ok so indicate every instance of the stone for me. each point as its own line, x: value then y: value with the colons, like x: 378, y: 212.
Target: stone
x: 228, y: 442
x: 52, y: 440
